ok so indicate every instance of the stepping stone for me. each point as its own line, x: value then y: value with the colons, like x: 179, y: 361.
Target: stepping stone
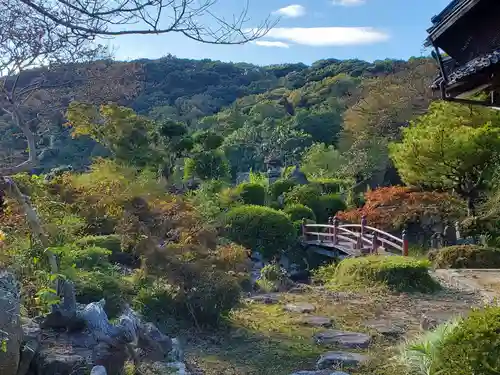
x: 300, y: 307
x: 340, y: 360
x: 386, y: 328
x: 268, y: 299
x: 343, y: 339
x: 320, y: 372
x: 317, y: 321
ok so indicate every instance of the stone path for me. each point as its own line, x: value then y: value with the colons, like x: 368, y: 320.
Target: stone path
x: 392, y: 322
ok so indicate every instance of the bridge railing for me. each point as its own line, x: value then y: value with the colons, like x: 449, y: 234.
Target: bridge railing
x: 363, y: 237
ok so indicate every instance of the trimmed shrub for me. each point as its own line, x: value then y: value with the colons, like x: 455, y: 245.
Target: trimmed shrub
x: 280, y: 186
x: 251, y: 193
x: 466, y: 256
x: 273, y: 278
x: 299, y: 212
x: 260, y: 229
x: 474, y: 345
x: 327, y: 206
x: 397, y: 273
x: 298, y: 225
x: 308, y: 195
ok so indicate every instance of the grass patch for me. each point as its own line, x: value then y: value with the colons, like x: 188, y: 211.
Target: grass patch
x: 466, y: 256
x: 397, y: 273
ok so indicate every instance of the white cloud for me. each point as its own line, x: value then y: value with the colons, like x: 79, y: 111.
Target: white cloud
x: 268, y: 43
x: 292, y: 11
x: 328, y: 36
x: 348, y: 3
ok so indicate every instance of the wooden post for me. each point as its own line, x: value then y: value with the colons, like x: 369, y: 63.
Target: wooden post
x: 335, y: 230
x: 304, y: 229
x: 361, y: 232
x: 405, y: 243
x: 330, y: 229
x: 374, y: 243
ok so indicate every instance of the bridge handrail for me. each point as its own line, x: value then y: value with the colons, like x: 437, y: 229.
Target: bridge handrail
x: 374, y: 235
x: 380, y: 231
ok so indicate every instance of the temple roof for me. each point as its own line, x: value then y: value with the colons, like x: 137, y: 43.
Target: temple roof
x: 444, y: 20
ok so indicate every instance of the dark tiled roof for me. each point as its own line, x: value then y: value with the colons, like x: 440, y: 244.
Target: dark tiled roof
x: 446, y: 11
x: 472, y: 67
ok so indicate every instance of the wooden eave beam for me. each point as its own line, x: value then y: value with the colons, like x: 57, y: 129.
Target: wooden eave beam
x: 437, y: 30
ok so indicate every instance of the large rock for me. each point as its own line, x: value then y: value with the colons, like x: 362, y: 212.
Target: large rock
x: 50, y: 362
x: 11, y: 333
x: 340, y: 360
x: 300, y: 307
x: 343, y: 339
x: 386, y: 328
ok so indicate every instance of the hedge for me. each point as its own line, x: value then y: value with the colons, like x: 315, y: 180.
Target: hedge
x: 251, y: 193
x: 466, y: 256
x: 299, y: 212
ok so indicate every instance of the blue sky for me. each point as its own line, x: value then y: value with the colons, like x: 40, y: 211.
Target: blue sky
x: 307, y: 31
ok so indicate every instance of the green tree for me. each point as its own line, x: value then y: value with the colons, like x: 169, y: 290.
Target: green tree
x: 450, y: 147
x: 127, y: 135
x: 207, y: 165
x: 321, y: 161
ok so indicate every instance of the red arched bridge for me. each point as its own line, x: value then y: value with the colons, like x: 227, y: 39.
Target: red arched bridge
x: 335, y: 239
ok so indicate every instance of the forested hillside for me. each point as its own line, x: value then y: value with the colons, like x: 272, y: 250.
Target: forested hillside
x: 262, y: 113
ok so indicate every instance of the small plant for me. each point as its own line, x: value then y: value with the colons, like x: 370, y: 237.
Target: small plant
x: 299, y: 212
x: 466, y: 256
x: 421, y: 356
x: 273, y: 278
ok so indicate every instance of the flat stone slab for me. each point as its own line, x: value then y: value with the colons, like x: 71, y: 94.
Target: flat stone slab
x: 386, y: 328
x: 320, y: 372
x: 300, y: 307
x: 268, y: 299
x: 340, y: 360
x: 343, y: 339
x: 317, y: 321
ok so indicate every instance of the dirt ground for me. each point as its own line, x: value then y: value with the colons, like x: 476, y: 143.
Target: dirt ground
x: 264, y: 339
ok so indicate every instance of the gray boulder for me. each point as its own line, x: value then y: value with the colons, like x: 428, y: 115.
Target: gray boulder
x: 11, y: 333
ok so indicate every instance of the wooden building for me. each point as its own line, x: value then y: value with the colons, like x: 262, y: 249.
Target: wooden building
x: 468, y: 32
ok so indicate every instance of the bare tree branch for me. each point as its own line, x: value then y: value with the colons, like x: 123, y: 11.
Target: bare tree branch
x: 195, y: 19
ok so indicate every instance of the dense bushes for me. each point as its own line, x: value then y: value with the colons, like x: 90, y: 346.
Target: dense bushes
x: 329, y: 185
x: 323, y: 205
x: 466, y: 256
x: 397, y: 273
x: 111, y: 242
x: 251, y: 193
x: 299, y: 212
x: 281, y: 186
x: 260, y: 229
x: 473, y: 347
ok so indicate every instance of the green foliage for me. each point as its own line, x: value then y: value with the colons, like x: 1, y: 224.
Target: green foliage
x: 327, y: 206
x: 397, y: 273
x: 451, y: 147
x: 206, y: 165
x: 273, y: 279
x: 421, y: 355
x: 208, y: 140
x: 466, y: 256
x: 252, y: 193
x: 330, y: 185
x: 322, y: 161
x: 473, y: 347
x: 298, y: 212
x: 209, y: 297
x: 308, y: 195
x: 280, y: 186
x: 260, y: 229
x: 111, y: 242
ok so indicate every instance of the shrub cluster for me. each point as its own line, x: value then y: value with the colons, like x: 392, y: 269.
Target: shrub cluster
x: 279, y: 187
x: 260, y: 229
x: 466, y: 256
x: 323, y: 205
x: 397, y: 273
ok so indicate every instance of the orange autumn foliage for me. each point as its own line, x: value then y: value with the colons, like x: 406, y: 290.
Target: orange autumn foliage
x: 390, y: 208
